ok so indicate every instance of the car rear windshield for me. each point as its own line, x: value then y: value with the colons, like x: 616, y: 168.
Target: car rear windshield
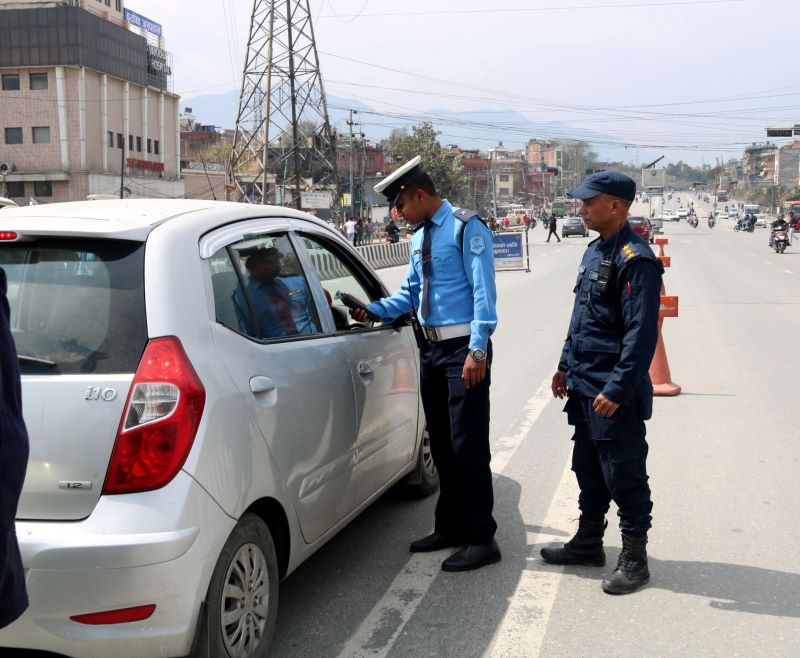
x: 76, y: 306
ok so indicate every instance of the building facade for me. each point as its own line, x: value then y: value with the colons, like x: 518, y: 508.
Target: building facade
x: 85, y: 103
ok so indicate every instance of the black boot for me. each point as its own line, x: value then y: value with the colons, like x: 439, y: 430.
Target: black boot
x: 586, y: 547
x: 631, y: 572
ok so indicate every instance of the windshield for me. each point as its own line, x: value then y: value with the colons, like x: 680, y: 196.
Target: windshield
x: 76, y: 306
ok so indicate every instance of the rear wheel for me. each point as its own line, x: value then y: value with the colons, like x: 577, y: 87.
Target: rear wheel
x: 242, y: 602
x: 425, y: 479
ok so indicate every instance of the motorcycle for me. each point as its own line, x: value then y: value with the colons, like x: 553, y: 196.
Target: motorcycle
x: 780, y: 240
x: 711, y: 222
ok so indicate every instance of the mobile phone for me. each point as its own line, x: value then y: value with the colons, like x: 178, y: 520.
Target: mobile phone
x: 353, y: 302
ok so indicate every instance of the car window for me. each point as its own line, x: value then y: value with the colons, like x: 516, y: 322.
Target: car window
x: 76, y: 306
x: 338, y: 275
x: 261, y: 291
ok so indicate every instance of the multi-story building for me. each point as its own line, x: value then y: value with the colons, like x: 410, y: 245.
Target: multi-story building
x: 86, y: 103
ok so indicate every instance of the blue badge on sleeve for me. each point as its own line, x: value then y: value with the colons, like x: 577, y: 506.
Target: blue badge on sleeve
x: 477, y: 245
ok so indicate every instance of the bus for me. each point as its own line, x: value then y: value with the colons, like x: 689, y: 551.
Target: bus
x: 557, y: 208
x: 791, y: 206
x: 722, y: 195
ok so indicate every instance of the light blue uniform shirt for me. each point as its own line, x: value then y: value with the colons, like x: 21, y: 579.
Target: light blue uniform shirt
x: 461, y: 286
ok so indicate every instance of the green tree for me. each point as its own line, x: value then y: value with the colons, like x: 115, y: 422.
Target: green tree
x: 443, y: 167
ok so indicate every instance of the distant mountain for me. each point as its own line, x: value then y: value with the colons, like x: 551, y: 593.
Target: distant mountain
x: 475, y: 129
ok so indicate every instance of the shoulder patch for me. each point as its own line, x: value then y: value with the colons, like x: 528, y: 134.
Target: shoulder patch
x: 477, y: 245
x: 629, y: 251
x: 465, y: 215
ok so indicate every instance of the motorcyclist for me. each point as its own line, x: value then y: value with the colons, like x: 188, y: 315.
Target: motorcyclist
x: 779, y: 224
x: 393, y: 231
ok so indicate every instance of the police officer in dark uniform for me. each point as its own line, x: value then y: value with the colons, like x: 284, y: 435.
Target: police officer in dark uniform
x: 13, y: 462
x: 604, y: 373
x: 450, y: 287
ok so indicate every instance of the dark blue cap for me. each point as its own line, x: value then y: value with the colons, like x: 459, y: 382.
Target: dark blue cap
x: 612, y: 183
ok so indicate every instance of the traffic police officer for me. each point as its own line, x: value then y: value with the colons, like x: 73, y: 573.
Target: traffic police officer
x: 13, y: 462
x: 604, y: 373
x: 450, y: 287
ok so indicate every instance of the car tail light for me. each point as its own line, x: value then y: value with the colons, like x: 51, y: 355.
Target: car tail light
x: 121, y: 616
x: 160, y: 420
x: 8, y: 235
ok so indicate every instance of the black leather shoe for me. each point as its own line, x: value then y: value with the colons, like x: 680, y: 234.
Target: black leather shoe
x: 473, y: 556
x: 434, y: 542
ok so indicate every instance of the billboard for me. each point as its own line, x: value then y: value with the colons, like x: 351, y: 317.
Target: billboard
x: 654, y: 178
x: 510, y: 252
x: 315, y: 200
x: 143, y: 23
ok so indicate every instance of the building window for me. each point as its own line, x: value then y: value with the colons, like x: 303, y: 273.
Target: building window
x: 38, y: 81
x: 13, y: 135
x: 139, y: 144
x: 15, y: 190
x: 120, y: 142
x: 110, y: 139
x: 149, y: 145
x: 118, y: 5
x: 503, y: 178
x: 157, y: 148
x: 42, y: 188
x: 41, y: 134
x: 11, y: 82
x: 130, y: 143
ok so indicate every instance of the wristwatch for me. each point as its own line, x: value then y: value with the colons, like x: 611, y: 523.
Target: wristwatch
x: 478, y: 354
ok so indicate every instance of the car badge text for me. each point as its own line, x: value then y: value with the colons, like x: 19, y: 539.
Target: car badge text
x: 98, y: 393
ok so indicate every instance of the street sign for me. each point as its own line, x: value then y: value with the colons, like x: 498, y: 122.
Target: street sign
x: 654, y: 178
x: 779, y: 132
x: 510, y: 251
x: 315, y: 199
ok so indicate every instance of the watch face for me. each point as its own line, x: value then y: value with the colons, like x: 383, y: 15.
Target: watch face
x: 478, y: 355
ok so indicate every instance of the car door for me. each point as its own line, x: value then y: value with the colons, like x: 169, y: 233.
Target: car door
x: 383, y: 361
x: 294, y: 375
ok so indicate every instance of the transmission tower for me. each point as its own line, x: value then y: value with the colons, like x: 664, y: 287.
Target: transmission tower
x: 283, y: 143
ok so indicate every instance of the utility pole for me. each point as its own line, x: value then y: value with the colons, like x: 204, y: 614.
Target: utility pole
x: 350, y: 124
x: 281, y: 91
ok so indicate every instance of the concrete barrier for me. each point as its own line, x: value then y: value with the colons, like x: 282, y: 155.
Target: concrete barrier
x: 385, y: 254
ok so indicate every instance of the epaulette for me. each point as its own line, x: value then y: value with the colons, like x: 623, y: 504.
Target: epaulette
x: 629, y: 251
x: 464, y: 215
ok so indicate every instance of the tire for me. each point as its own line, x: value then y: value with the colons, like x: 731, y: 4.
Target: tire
x: 249, y: 553
x: 425, y: 478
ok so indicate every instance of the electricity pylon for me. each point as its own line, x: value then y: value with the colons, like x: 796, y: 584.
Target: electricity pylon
x: 283, y: 143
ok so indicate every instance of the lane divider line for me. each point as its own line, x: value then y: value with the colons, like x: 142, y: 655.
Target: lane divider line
x: 378, y: 632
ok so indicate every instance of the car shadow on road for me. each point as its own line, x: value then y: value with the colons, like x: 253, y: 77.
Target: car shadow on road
x: 733, y: 587
x: 323, y: 604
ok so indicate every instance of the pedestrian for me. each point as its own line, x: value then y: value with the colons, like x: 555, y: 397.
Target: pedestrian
x: 350, y: 229
x: 450, y: 288
x: 368, y: 231
x: 13, y: 464
x: 603, y: 372
x: 792, y: 226
x: 552, y: 225
x: 359, y: 232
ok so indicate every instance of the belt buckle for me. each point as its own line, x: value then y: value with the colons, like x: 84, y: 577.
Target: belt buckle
x: 432, y: 334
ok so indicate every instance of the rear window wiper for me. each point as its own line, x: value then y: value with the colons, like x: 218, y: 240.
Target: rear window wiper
x: 35, y: 359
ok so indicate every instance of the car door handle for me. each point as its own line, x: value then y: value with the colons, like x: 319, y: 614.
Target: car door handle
x: 364, y: 368
x: 261, y: 384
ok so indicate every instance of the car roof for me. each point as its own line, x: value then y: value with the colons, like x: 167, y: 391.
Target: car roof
x: 131, y: 219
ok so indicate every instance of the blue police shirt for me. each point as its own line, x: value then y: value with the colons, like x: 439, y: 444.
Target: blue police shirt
x: 461, y: 287
x: 612, y: 336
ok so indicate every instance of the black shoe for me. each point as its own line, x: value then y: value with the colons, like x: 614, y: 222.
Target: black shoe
x: 434, y: 542
x: 473, y: 556
x: 585, y: 548
x: 631, y: 572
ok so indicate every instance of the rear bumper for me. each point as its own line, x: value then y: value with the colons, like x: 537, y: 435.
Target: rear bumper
x: 153, y: 548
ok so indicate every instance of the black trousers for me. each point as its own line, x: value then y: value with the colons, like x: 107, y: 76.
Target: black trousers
x: 609, y: 459
x: 458, y: 425
x: 553, y: 231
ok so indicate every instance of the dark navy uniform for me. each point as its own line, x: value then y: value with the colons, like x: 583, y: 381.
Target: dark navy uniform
x: 611, y: 341
x: 13, y: 462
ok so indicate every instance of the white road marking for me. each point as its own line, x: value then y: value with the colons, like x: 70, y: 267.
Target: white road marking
x: 766, y: 262
x: 380, y: 629
x: 524, y: 624
x: 788, y: 271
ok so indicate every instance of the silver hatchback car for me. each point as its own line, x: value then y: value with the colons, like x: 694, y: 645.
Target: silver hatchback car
x: 203, y: 415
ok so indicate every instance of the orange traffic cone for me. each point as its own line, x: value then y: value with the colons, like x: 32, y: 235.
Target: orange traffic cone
x: 659, y: 367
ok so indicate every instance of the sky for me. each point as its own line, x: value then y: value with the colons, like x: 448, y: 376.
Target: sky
x: 696, y: 80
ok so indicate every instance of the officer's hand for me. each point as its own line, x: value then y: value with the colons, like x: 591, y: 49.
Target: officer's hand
x: 603, y: 406
x: 359, y: 314
x: 559, y: 385
x: 474, y: 372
